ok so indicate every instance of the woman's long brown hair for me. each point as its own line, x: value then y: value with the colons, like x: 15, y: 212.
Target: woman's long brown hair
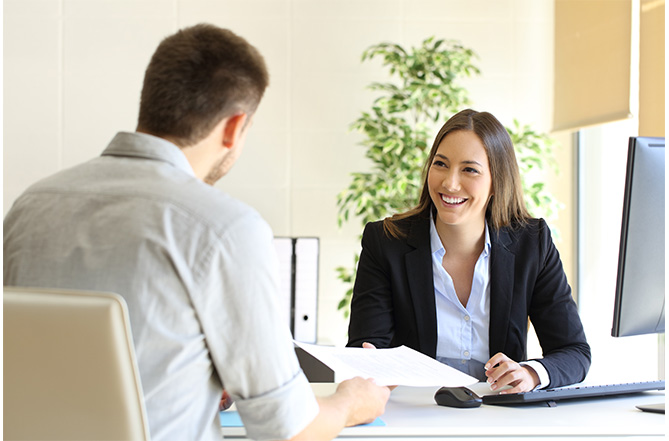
x: 507, y: 205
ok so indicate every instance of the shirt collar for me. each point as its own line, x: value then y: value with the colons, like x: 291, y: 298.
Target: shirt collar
x: 438, y: 248
x: 142, y: 145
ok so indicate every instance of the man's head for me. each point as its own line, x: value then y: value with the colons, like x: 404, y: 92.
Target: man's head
x: 196, y: 78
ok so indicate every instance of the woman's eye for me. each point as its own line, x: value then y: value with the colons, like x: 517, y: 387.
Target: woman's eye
x: 471, y: 170
x: 439, y: 163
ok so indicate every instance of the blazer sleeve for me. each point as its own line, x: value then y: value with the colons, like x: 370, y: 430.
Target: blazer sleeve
x: 372, y: 318
x: 554, y: 315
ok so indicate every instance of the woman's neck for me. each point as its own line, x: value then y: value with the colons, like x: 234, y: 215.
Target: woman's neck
x: 463, y: 240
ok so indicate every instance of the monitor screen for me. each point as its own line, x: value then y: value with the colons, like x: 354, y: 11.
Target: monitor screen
x: 639, y: 300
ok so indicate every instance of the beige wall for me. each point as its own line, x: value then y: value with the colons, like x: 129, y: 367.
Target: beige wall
x: 73, y: 72
x: 563, y: 185
x: 651, y: 68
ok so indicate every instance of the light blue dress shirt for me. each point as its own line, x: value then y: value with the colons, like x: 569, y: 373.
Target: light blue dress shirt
x: 462, y: 332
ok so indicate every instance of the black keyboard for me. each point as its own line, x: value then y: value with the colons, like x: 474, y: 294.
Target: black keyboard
x: 566, y: 393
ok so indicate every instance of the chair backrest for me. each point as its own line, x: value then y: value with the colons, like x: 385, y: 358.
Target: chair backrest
x: 69, y: 367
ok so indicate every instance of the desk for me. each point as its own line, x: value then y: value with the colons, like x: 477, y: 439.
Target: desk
x: 411, y: 413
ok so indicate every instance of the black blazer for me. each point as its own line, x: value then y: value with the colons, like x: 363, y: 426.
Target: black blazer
x: 394, y: 302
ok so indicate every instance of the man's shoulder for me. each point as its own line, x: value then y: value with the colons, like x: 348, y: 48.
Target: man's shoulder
x: 147, y: 187
x: 205, y: 206
x: 218, y: 208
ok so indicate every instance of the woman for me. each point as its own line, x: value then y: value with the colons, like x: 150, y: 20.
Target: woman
x: 458, y: 276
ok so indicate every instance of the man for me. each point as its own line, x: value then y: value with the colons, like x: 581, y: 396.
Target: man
x: 196, y: 267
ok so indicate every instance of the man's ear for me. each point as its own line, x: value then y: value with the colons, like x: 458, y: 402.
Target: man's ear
x: 232, y: 129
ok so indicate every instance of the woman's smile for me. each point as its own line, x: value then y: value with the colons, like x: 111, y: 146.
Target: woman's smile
x: 452, y: 201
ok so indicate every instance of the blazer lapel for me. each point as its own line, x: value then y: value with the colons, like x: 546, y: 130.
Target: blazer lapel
x: 421, y: 285
x: 501, y: 290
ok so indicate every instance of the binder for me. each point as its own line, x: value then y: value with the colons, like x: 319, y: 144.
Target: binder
x: 315, y: 370
x: 298, y: 272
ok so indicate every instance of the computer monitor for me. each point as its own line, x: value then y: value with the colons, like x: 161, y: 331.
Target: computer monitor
x: 640, y: 295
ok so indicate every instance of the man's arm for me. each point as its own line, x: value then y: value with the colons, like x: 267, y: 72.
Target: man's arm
x: 258, y: 367
x: 356, y: 401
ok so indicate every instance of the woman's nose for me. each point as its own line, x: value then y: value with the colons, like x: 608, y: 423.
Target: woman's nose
x: 451, y: 182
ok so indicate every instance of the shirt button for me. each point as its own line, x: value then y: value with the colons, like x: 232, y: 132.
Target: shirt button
x: 463, y: 361
x: 466, y: 354
x: 466, y: 318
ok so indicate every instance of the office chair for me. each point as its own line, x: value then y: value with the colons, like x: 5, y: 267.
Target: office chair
x: 69, y: 367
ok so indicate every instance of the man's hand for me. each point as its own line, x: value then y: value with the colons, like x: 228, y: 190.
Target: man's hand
x: 356, y: 401
x: 366, y: 400
x: 226, y: 401
x: 502, y: 371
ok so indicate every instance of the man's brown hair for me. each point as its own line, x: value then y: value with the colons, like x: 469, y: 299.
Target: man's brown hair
x: 197, y: 77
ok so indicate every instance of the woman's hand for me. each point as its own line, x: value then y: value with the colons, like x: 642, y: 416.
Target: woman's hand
x: 371, y: 346
x: 502, y: 371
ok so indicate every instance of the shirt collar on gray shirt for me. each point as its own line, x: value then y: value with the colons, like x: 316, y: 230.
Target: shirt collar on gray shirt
x: 142, y: 145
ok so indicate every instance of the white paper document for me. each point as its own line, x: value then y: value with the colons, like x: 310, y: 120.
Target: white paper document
x: 400, y: 366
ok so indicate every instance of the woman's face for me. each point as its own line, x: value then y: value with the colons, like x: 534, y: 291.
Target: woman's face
x: 459, y: 179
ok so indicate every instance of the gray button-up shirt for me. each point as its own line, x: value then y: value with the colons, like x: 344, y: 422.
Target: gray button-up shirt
x: 197, y: 269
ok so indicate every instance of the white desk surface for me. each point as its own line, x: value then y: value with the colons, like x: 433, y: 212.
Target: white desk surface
x: 411, y: 413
